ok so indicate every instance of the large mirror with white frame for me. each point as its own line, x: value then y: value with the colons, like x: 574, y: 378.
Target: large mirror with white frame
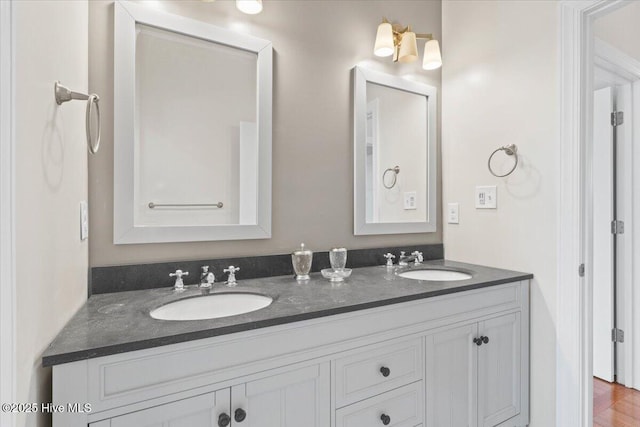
x: 395, y: 154
x: 192, y: 130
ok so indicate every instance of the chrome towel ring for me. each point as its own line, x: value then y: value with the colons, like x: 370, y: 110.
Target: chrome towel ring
x: 510, y: 150
x: 63, y: 94
x: 396, y: 171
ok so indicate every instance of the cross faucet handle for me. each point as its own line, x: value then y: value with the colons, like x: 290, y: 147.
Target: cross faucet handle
x: 418, y: 257
x: 179, y: 285
x: 389, y: 256
x: 231, y: 281
x: 179, y: 273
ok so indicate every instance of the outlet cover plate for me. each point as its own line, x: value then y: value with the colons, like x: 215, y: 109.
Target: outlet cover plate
x: 453, y: 212
x: 410, y: 200
x: 486, y: 197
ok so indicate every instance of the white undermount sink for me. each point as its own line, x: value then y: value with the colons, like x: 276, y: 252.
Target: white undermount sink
x: 211, y: 306
x: 435, y: 274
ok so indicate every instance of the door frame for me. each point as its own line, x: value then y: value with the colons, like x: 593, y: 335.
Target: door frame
x: 574, y: 362
x: 7, y: 204
x: 627, y: 68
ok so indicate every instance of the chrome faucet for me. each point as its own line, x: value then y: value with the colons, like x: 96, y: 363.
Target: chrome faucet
x: 206, y: 278
x: 179, y: 285
x: 231, y: 281
x: 415, y: 256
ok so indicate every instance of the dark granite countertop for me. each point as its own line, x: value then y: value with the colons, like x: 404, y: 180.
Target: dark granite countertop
x: 120, y: 322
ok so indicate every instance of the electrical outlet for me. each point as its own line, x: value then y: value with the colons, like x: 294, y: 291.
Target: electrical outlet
x: 410, y: 200
x: 486, y: 197
x: 84, y: 220
x: 453, y: 213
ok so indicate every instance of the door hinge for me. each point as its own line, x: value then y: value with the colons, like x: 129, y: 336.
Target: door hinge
x: 617, y: 227
x: 581, y: 270
x: 617, y: 118
x: 617, y: 335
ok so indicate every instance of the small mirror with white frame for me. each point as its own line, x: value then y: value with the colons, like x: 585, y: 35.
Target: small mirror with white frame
x: 192, y: 130
x: 394, y: 154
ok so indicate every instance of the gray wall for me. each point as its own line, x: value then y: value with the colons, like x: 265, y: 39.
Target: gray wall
x: 316, y: 44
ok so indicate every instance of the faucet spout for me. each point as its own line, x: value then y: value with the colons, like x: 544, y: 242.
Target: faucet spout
x: 415, y: 256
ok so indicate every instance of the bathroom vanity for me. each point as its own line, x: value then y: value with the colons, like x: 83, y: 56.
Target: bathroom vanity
x: 378, y: 349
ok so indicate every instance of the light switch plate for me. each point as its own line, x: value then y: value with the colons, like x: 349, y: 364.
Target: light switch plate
x: 84, y: 220
x: 453, y: 213
x: 486, y: 197
x: 410, y: 200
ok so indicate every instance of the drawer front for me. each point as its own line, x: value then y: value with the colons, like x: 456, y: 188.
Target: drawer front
x: 402, y: 407
x: 377, y: 369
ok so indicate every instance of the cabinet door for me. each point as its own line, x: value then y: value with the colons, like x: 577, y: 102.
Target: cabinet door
x: 198, y: 411
x: 297, y: 398
x: 451, y: 360
x: 499, y: 370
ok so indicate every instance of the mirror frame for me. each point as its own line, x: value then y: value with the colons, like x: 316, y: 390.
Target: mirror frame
x: 126, y: 15
x: 360, y: 225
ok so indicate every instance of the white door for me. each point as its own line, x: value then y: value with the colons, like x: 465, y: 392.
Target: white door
x: 205, y: 410
x: 624, y: 170
x: 451, y: 370
x: 297, y: 398
x: 603, y: 259
x: 499, y: 369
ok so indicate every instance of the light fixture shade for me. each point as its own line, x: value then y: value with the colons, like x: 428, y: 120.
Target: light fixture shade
x: 408, y: 47
x: 384, y: 40
x: 432, y: 58
x: 250, y: 7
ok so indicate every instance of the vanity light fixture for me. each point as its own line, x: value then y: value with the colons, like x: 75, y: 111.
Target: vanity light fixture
x: 401, y: 42
x: 250, y: 7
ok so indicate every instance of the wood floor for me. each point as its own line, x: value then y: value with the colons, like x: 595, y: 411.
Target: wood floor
x: 615, y: 405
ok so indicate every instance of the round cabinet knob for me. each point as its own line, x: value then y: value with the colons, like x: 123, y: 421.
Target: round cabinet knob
x: 386, y: 419
x: 485, y: 340
x: 385, y: 371
x: 224, y: 420
x: 477, y: 341
x: 240, y: 415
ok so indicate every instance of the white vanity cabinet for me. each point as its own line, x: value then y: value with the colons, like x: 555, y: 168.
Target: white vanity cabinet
x: 410, y: 364
x: 499, y: 369
x: 202, y: 411
x: 401, y: 407
x: 474, y: 373
x: 299, y: 397
x: 451, y: 377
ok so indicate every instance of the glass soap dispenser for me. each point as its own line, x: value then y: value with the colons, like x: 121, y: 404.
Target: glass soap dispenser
x: 301, y: 260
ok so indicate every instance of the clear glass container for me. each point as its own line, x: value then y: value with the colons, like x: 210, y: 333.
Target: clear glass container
x: 338, y: 258
x: 336, y: 275
x: 302, y: 259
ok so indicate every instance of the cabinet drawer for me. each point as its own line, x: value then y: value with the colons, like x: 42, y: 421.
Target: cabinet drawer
x: 403, y: 407
x: 377, y: 369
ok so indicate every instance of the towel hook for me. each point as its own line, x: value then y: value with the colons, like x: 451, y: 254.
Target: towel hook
x: 510, y: 150
x: 64, y: 94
